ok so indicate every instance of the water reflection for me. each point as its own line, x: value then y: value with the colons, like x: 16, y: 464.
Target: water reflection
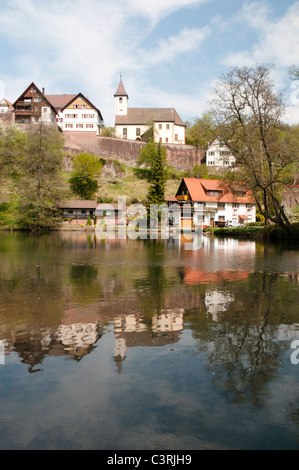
x: 230, y: 307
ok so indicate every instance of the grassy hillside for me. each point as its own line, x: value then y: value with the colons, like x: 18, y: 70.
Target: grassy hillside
x: 118, y: 179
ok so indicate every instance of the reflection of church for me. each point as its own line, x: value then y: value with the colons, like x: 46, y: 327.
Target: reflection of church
x: 135, y: 330
x: 79, y: 338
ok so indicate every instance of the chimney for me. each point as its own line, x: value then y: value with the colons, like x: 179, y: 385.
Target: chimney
x: 43, y: 90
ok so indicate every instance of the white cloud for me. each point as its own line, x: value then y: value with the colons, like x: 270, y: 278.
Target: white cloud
x: 186, y: 41
x: 278, y: 39
x: 87, y: 43
x: 156, y: 9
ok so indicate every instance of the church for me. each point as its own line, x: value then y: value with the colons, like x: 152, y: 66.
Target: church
x: 132, y: 123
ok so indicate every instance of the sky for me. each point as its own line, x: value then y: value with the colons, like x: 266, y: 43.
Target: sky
x: 170, y: 53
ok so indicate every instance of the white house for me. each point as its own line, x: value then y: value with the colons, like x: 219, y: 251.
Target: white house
x: 209, y: 202
x: 6, y: 111
x: 132, y: 123
x: 219, y: 154
x: 76, y: 113
x: 5, y: 106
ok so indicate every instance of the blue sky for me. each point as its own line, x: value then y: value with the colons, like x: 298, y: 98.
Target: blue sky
x: 170, y: 52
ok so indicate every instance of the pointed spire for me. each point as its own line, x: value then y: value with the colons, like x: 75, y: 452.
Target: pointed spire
x: 121, y: 89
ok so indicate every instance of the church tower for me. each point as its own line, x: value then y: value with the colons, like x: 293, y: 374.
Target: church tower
x: 121, y: 100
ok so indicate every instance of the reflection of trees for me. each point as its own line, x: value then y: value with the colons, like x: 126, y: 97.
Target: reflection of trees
x: 240, y: 348
x: 29, y: 347
x: 151, y: 288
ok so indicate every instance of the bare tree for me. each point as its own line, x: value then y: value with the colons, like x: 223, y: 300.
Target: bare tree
x: 249, y: 117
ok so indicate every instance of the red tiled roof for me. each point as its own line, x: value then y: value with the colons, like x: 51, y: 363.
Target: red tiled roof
x: 198, y: 191
x: 59, y: 101
x: 6, y: 102
x: 147, y: 115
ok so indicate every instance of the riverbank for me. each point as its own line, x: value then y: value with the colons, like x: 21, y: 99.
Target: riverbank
x: 273, y: 232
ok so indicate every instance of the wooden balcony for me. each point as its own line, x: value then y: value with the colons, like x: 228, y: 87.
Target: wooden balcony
x: 28, y: 111
x: 183, y: 198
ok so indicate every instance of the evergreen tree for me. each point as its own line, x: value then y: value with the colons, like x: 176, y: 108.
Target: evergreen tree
x: 156, y: 193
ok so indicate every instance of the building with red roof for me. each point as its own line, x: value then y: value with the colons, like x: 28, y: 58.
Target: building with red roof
x: 132, y: 123
x: 6, y: 111
x: 76, y: 113
x: 210, y: 202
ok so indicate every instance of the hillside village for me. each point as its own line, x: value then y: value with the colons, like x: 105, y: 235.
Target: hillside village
x: 82, y: 126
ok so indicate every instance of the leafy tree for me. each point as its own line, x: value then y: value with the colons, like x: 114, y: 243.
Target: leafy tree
x: 39, y: 185
x: 201, y: 132
x: 12, y: 145
x: 108, y: 132
x: 248, y: 113
x: 83, y: 182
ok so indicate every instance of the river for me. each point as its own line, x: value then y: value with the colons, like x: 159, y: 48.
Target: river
x: 147, y: 344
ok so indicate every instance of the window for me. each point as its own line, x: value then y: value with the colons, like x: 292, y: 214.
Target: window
x: 211, y: 162
x: 248, y: 206
x: 125, y: 132
x: 235, y: 205
x: 69, y: 126
x: 138, y: 131
x: 37, y: 100
x: 166, y: 140
x: 70, y: 211
x: 176, y: 137
x: 211, y: 153
x: 89, y: 126
x: 221, y: 205
x: 120, y: 100
x: 79, y: 126
x: 160, y: 126
x: 167, y: 127
x: 221, y: 218
x: 45, y: 110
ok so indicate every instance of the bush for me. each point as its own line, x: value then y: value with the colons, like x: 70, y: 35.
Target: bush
x: 119, y: 167
x: 84, y: 186
x: 105, y: 199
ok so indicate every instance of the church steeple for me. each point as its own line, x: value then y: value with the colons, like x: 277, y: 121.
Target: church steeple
x: 121, y: 100
x: 121, y: 89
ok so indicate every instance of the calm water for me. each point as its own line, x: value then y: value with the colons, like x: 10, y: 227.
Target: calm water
x: 147, y: 345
